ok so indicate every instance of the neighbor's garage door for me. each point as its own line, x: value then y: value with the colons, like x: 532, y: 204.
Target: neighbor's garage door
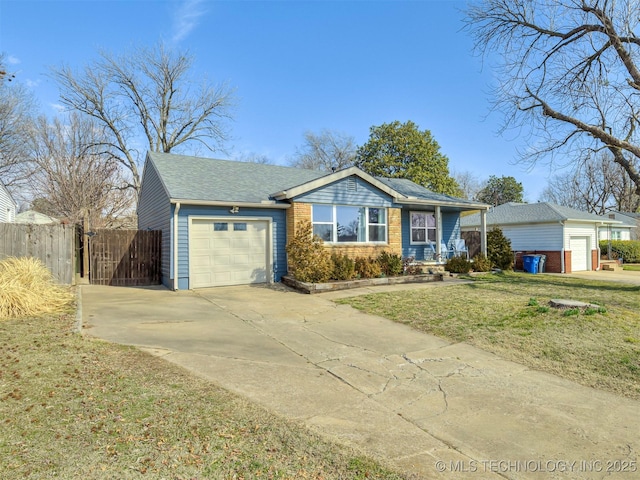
x: 230, y: 252
x: 579, y: 254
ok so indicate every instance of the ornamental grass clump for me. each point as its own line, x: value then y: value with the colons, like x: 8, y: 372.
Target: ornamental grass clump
x: 27, y: 289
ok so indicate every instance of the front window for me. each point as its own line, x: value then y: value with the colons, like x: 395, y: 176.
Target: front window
x: 346, y: 224
x: 423, y: 227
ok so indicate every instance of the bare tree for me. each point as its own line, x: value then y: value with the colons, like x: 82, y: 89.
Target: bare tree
x: 253, y: 157
x: 16, y: 114
x: 73, y: 176
x: 570, y: 74
x: 145, y: 99
x: 468, y: 183
x: 597, y: 185
x: 326, y: 151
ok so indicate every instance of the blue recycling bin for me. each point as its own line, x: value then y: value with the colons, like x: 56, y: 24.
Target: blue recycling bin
x: 530, y: 263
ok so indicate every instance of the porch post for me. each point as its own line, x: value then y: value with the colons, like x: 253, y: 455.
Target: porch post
x: 483, y: 232
x: 438, y: 216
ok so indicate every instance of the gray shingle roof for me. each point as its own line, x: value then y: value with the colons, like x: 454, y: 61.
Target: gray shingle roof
x: 209, y: 180
x: 626, y: 218
x: 527, y: 213
x: 206, y: 179
x: 411, y: 189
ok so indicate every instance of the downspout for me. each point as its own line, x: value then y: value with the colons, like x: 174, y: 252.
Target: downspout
x: 562, y: 270
x: 175, y: 245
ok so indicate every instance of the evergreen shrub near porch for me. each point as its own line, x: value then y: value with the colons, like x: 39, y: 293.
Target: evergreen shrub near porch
x: 310, y: 261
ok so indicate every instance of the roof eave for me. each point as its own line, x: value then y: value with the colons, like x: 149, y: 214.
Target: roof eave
x: 442, y: 203
x: 230, y: 203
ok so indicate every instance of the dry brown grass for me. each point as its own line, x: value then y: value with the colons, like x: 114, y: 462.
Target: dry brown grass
x: 27, y: 289
x: 73, y: 407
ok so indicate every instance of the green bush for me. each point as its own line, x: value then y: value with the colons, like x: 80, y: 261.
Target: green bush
x: 390, y: 264
x: 481, y: 263
x: 308, y: 260
x: 628, y: 250
x: 458, y: 264
x: 344, y: 268
x: 499, y: 249
x: 367, y: 267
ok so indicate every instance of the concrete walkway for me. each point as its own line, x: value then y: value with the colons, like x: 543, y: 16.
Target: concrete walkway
x: 435, y: 409
x: 630, y: 277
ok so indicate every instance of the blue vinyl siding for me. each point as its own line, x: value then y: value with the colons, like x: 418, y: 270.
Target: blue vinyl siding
x: 342, y: 193
x: 450, y: 232
x: 450, y: 227
x: 278, y: 240
x: 155, y: 212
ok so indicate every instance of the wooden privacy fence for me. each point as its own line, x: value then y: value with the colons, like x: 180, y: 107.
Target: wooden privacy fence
x: 473, y: 241
x: 125, y: 257
x: 52, y: 244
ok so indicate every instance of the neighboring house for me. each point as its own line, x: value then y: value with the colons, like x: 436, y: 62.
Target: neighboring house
x: 8, y: 205
x: 33, y: 217
x: 628, y: 230
x: 568, y: 237
x: 227, y: 223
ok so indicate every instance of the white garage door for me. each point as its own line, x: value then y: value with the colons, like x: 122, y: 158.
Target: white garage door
x: 579, y: 253
x: 227, y: 252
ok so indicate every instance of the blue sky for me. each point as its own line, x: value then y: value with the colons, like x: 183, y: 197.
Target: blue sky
x: 295, y: 66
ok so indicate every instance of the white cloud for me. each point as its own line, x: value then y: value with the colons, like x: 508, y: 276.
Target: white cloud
x: 187, y: 18
x: 32, y: 83
x: 11, y: 60
x: 57, y: 107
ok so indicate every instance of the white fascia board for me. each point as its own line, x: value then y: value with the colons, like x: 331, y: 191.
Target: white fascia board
x: 216, y: 203
x: 334, y: 177
x: 442, y: 203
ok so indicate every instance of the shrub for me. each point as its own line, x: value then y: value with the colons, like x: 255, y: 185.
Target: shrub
x: 499, y: 249
x: 308, y: 260
x: 628, y: 250
x: 367, y: 267
x: 409, y: 268
x: 458, y: 264
x: 481, y: 263
x: 344, y: 268
x: 390, y: 264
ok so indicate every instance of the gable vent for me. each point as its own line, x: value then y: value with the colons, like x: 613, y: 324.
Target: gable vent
x: 352, y: 186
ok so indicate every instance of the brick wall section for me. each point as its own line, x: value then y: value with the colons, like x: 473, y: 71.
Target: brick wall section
x: 300, y: 212
x: 567, y: 261
x: 595, y: 263
x: 553, y: 263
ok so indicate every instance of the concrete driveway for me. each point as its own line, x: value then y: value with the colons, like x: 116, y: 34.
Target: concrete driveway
x: 435, y: 409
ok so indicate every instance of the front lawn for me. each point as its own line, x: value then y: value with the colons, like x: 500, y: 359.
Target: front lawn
x: 508, y: 314
x: 631, y: 267
x: 74, y: 407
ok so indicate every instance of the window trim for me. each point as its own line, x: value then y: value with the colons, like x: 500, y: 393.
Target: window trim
x: 334, y: 224
x: 426, y: 228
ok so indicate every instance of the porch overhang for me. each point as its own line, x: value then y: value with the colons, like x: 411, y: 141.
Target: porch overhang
x: 466, y: 206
